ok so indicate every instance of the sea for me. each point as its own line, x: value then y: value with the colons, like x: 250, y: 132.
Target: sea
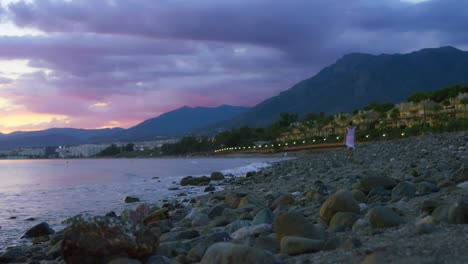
x: 35, y: 191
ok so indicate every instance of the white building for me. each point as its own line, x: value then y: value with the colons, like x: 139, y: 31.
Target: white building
x: 31, y: 152
x: 83, y: 151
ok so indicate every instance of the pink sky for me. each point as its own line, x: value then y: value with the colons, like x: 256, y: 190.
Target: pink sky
x: 92, y: 64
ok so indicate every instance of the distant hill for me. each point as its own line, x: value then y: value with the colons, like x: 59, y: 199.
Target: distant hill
x: 53, y: 137
x: 182, y: 121
x: 357, y: 79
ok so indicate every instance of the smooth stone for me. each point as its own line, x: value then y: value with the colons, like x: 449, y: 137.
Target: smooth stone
x: 228, y: 253
x: 404, y: 189
x: 368, y: 183
x: 268, y: 242
x: 295, y: 224
x: 343, y: 221
x: 429, y: 205
x: 463, y: 185
x: 426, y: 187
x: 458, y: 212
x: 200, y: 220
x: 286, y: 199
x: 247, y: 200
x: 39, y: 230
x: 159, y: 215
x: 341, y: 201
x: 158, y: 259
x: 195, y: 181
x: 173, y: 248
x: 293, y: 245
x: 383, y: 217
x: 359, y: 196
x: 16, y: 254
x: 216, y: 211
x: 251, y: 231
x: 198, y: 251
x: 264, y: 216
x: 236, y: 225
x: 440, y: 214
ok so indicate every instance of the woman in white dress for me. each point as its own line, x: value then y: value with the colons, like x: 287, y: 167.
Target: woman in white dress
x: 350, y: 138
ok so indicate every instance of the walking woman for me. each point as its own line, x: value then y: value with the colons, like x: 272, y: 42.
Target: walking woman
x: 350, y: 138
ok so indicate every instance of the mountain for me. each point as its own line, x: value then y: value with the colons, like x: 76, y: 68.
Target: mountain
x: 357, y: 79
x: 182, y: 121
x: 53, y: 137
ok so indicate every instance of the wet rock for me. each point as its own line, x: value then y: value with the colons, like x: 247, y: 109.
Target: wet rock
x: 217, y: 176
x: 228, y: 253
x: 383, y: 217
x: 367, y: 183
x: 293, y: 245
x: 39, y: 230
x: 264, y: 216
x: 343, y: 221
x: 209, y: 189
x: 130, y: 199
x: 195, y: 181
x: 294, y: 224
x: 341, y: 201
x: 99, y: 238
x: 429, y: 205
x: 138, y: 216
x: 404, y: 190
x: 232, y: 200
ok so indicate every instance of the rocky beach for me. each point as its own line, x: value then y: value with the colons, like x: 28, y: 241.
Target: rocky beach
x: 395, y: 201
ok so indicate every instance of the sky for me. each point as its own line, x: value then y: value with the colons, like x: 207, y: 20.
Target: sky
x: 115, y: 63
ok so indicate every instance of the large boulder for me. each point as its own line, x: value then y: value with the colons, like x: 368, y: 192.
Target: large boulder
x: 131, y: 199
x: 382, y: 217
x: 190, y: 180
x: 98, y: 239
x: 341, y: 201
x: 217, y: 176
x: 38, y: 230
x: 368, y: 183
x: 228, y: 253
x: 294, y: 224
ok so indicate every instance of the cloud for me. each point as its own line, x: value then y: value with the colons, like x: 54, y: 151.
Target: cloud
x: 146, y: 57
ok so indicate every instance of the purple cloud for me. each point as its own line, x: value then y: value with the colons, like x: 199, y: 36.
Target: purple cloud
x: 145, y: 57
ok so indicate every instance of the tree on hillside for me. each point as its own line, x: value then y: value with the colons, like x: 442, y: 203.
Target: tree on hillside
x: 419, y: 96
x: 464, y: 102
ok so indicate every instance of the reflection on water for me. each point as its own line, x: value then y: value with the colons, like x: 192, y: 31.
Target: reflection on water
x: 53, y: 190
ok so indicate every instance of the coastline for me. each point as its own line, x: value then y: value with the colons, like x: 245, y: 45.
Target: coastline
x: 419, y: 179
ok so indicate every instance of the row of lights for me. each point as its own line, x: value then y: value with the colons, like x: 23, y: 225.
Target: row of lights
x: 279, y: 145
x: 266, y: 146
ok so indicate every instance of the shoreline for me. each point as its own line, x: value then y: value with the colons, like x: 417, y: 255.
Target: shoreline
x: 417, y: 181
